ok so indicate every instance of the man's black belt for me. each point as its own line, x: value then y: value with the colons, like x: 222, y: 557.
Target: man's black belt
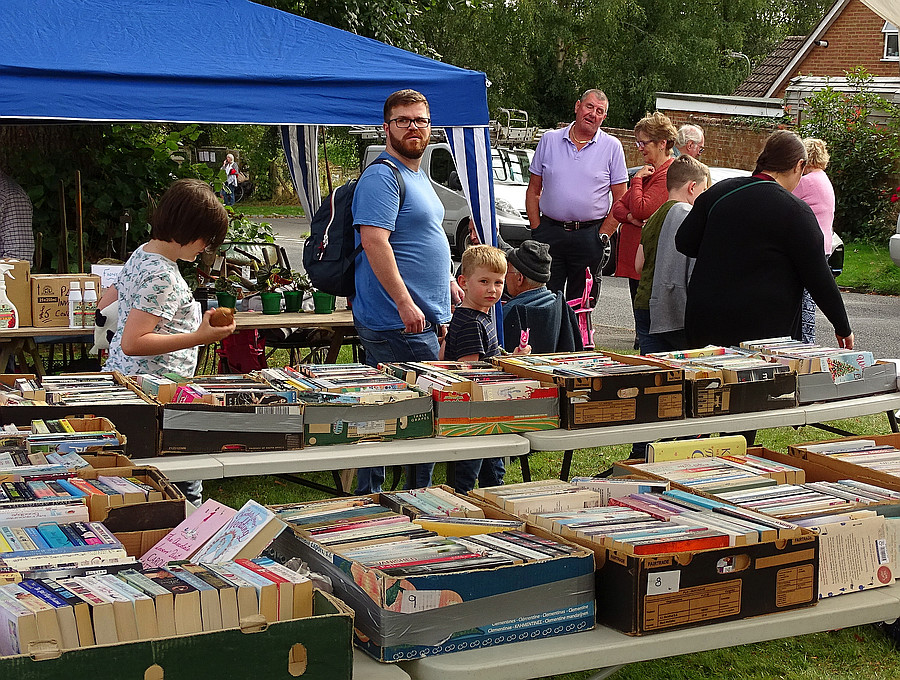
x: 574, y: 225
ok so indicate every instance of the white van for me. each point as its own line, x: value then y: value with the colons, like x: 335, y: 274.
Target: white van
x: 510, y: 170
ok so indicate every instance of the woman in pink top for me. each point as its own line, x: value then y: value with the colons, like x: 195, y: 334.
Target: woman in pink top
x: 815, y: 189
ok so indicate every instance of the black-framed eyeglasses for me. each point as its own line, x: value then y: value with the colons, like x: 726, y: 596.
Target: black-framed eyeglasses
x: 404, y: 123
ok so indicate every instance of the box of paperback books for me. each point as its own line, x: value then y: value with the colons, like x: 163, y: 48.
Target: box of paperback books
x: 317, y: 647
x: 599, y: 389
x: 828, y: 373
x: 721, y: 380
x: 106, y: 395
x: 213, y: 413
x: 433, y: 584
x: 474, y: 398
x: 871, y: 459
x: 671, y: 559
x: 347, y: 403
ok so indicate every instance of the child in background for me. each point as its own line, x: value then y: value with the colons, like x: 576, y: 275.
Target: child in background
x: 160, y: 326
x: 662, y: 291
x: 472, y: 336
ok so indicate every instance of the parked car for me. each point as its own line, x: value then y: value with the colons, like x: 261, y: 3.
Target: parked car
x: 510, y: 171
x: 894, y: 245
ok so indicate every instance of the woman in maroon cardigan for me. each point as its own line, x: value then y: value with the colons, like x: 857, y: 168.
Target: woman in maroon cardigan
x: 655, y: 137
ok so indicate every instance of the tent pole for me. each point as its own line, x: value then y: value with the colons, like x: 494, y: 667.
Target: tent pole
x: 325, y: 155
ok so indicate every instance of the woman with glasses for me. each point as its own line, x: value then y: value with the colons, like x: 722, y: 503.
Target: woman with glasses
x: 757, y: 247
x: 654, y: 136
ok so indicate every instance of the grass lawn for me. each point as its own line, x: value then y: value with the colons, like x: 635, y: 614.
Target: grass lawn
x: 261, y: 209
x: 869, y: 269
x: 863, y: 652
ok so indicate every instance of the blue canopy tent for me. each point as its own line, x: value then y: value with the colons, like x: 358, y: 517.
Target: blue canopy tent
x: 227, y: 61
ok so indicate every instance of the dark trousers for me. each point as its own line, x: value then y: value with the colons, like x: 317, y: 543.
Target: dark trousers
x: 572, y: 253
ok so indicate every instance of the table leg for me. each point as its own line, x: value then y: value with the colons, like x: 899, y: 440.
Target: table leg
x: 337, y: 341
x: 604, y: 673
x: 892, y: 420
x: 526, y: 468
x: 566, y: 465
x: 10, y: 347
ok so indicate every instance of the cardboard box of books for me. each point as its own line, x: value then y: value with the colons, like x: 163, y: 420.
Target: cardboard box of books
x: 662, y: 565
x: 318, y: 647
x: 475, y: 398
x: 213, y: 413
x: 871, y: 459
x: 419, y: 599
x: 145, y: 498
x: 599, y: 389
x: 346, y: 403
x: 723, y: 380
x: 108, y: 395
x: 829, y: 373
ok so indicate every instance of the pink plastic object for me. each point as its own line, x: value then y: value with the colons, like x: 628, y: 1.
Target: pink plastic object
x: 583, y: 311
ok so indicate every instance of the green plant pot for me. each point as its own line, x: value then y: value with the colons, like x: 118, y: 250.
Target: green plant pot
x: 271, y: 302
x: 292, y: 300
x: 226, y: 299
x: 323, y: 302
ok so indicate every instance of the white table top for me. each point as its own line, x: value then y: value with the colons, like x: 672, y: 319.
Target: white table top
x: 563, y: 440
x: 338, y: 456
x: 604, y: 647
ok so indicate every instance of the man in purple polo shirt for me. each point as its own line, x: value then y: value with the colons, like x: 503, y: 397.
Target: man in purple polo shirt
x: 568, y: 199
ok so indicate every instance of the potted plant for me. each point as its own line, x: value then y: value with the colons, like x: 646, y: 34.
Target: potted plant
x: 269, y: 279
x: 227, y: 290
x: 299, y: 287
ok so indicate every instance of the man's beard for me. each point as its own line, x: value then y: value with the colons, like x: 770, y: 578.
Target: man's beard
x: 401, y: 146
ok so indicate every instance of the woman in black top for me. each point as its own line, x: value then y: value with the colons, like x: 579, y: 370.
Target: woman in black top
x: 757, y: 246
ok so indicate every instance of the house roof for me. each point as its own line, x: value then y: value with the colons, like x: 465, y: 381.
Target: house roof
x: 769, y: 69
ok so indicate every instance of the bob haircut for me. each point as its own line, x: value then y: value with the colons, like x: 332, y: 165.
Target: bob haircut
x: 188, y: 211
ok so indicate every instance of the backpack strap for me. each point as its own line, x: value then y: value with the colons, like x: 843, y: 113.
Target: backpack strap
x: 397, y: 176
x: 400, y: 183
x: 734, y: 191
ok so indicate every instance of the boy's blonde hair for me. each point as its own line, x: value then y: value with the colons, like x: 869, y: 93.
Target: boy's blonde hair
x: 491, y: 258
x: 686, y: 169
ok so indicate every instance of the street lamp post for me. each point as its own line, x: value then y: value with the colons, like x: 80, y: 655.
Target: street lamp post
x: 740, y: 55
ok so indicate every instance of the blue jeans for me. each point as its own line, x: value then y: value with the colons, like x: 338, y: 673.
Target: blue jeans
x: 486, y: 471
x: 228, y: 194
x: 384, y: 347
x: 656, y: 342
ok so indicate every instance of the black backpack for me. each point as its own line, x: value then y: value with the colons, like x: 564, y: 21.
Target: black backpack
x: 329, y: 255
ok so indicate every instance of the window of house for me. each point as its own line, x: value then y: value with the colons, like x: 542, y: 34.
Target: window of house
x: 891, y: 46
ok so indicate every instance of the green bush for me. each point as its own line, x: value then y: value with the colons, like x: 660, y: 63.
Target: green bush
x: 862, y: 130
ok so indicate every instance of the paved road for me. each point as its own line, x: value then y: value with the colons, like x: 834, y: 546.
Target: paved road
x: 875, y: 318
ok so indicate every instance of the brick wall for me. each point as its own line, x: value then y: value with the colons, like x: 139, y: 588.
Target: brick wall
x: 729, y: 143
x: 854, y: 39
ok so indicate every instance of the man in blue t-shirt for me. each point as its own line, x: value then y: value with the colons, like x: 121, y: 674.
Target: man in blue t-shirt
x: 403, y: 284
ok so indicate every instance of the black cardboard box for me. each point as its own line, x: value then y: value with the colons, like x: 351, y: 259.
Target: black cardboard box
x: 710, y: 397
x: 315, y: 648
x: 645, y: 397
x: 138, y: 422
x: 162, y: 508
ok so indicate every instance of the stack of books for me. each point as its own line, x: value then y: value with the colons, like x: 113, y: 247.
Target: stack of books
x: 142, y: 604
x: 350, y: 384
x: 528, y: 498
x: 52, y: 545
x: 410, y: 543
x: 863, y: 452
x: 812, y: 499
x: 670, y: 522
x: 576, y: 365
x: 728, y: 364
x: 716, y: 475
x: 471, y: 381
x: 230, y: 390
x: 87, y: 389
x: 803, y: 357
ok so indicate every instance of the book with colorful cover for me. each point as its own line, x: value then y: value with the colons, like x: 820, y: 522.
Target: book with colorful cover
x: 189, y: 536
x: 239, y: 531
